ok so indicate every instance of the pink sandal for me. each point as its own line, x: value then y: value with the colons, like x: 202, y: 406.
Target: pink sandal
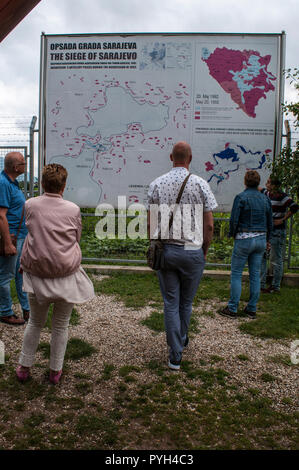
x: 55, y: 376
x: 23, y: 373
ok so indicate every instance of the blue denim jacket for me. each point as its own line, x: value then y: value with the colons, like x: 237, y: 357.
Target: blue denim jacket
x: 251, y: 212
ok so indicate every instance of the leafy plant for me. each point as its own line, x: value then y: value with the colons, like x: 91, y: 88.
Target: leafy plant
x: 286, y: 165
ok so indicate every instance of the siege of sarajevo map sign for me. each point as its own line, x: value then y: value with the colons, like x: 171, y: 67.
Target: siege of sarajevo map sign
x: 115, y: 105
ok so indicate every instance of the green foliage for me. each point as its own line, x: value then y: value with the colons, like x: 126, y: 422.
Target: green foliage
x: 286, y: 165
x: 286, y: 168
x: 219, y: 252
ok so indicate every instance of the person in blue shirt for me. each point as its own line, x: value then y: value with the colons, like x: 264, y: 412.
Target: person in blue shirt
x: 12, y: 202
x: 251, y: 227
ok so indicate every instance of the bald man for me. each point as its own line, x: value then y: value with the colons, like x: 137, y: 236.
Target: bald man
x: 12, y: 221
x: 185, y: 244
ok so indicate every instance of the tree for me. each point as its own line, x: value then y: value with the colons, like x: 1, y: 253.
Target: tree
x: 286, y: 164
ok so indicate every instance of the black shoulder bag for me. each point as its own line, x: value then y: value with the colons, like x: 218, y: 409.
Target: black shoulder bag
x: 155, y: 252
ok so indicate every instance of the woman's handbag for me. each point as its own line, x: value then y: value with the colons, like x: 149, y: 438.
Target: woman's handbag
x: 155, y: 252
x: 13, y: 237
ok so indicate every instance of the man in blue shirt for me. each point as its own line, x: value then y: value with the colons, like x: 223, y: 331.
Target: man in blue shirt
x: 12, y: 203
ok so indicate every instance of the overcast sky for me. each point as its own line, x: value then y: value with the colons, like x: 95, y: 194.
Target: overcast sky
x: 20, y: 50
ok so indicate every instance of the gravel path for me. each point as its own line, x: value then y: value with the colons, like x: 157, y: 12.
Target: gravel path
x: 115, y: 331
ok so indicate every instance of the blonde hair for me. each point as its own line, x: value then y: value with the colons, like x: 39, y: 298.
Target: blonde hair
x: 54, y: 178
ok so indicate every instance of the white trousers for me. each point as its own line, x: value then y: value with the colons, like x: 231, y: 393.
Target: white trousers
x: 60, y: 321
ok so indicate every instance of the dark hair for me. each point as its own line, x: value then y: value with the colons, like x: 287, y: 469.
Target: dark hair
x: 275, y: 181
x: 54, y: 178
x: 252, y: 179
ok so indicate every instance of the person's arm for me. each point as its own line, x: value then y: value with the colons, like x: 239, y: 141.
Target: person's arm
x: 148, y: 225
x: 283, y: 219
x: 269, y: 216
x: 293, y: 208
x: 234, y: 217
x: 208, y: 230
x: 152, y: 201
x: 9, y: 248
x: 79, y: 227
x: 152, y: 222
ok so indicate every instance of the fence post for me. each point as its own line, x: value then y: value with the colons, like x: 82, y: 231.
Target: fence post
x: 288, y: 134
x: 31, y: 153
x: 288, y: 147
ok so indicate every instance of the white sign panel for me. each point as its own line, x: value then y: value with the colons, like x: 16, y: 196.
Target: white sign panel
x: 113, y: 107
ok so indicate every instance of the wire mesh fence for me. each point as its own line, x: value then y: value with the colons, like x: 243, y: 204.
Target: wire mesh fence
x: 127, y: 251
x: 15, y: 136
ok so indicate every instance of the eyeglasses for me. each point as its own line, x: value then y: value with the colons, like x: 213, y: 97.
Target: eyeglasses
x: 20, y: 164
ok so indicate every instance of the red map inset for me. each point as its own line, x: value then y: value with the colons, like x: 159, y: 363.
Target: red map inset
x: 243, y: 75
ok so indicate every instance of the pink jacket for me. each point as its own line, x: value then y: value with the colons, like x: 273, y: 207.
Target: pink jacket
x: 51, y: 248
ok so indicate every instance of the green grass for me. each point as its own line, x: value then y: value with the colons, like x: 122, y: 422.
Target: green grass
x: 107, y: 371
x: 155, y: 321
x: 199, y: 408
x: 140, y: 290
x: 202, y: 407
x: 243, y: 357
x: 76, y: 349
x: 134, y: 291
x: 280, y: 320
x: 205, y: 413
x: 74, y: 320
x: 282, y: 359
x: 268, y: 378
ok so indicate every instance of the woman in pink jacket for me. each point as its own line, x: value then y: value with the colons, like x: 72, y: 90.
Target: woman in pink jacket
x: 50, y: 261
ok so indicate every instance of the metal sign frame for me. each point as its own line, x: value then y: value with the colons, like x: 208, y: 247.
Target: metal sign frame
x: 43, y: 72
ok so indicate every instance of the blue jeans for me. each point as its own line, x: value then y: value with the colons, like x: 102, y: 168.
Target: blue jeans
x: 179, y: 282
x: 278, y: 241
x: 251, y: 250
x: 9, y: 269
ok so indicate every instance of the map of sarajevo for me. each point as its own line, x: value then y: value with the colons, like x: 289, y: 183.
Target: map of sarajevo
x: 242, y: 74
x: 124, y: 124
x: 114, y: 105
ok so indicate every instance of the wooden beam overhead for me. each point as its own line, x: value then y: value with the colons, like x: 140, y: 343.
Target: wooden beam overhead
x: 12, y: 12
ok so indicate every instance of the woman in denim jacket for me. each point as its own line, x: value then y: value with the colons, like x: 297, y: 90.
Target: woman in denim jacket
x: 250, y: 225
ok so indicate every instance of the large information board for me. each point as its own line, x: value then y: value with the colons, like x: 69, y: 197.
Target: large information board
x: 112, y: 107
